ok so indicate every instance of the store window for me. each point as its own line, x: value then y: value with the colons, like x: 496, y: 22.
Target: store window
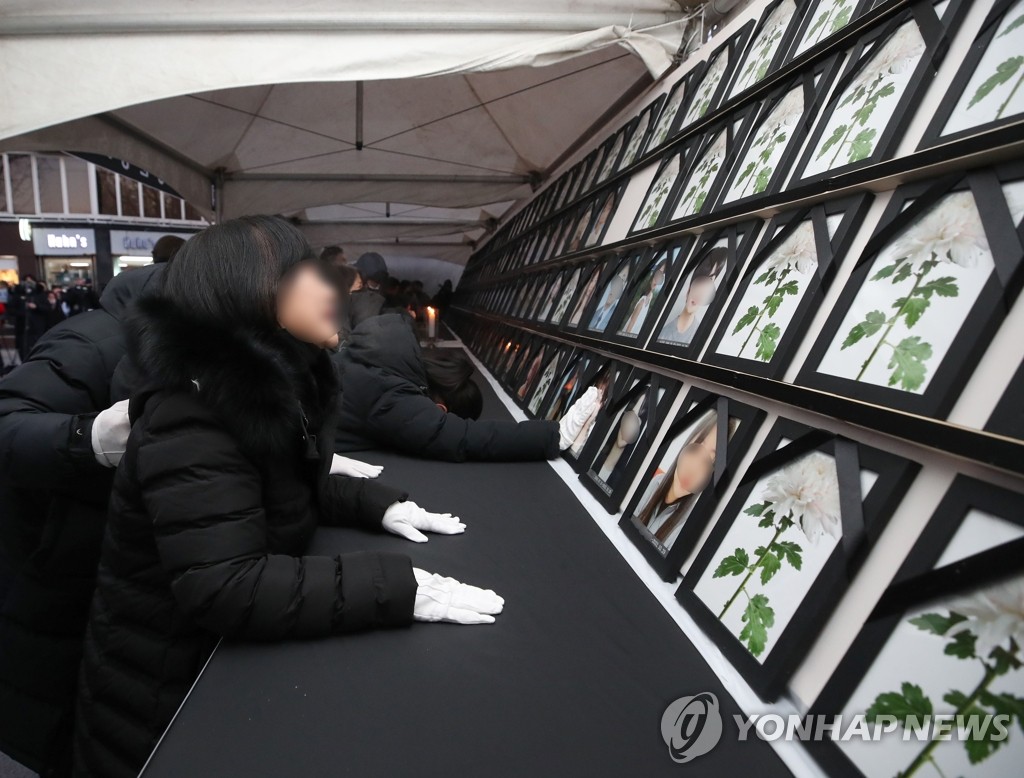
x: 76, y: 173
x: 106, y: 183
x: 22, y: 190
x: 191, y: 213
x: 129, y: 197
x: 150, y: 202
x: 64, y: 271
x: 51, y: 197
x: 130, y: 263
x: 9, y: 268
x: 172, y: 207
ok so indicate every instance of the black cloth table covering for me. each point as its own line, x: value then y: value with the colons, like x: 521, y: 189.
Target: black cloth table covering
x: 571, y: 680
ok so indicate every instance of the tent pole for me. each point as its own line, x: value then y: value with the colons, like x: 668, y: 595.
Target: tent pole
x: 359, y: 115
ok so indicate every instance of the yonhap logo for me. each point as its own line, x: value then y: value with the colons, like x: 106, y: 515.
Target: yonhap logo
x: 691, y: 726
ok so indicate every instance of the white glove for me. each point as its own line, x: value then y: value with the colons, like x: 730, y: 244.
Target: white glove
x: 407, y: 519
x: 445, y: 599
x: 353, y: 467
x: 110, y: 431
x: 576, y: 418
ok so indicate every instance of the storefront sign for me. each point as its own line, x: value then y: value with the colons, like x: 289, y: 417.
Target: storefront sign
x: 63, y: 242
x: 138, y: 243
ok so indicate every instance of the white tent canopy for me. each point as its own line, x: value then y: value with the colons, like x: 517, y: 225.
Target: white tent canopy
x: 347, y: 116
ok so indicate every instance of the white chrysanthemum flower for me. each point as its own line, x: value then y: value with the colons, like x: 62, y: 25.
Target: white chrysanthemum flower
x: 798, y: 251
x: 716, y: 150
x: 994, y: 614
x: 950, y: 232
x: 900, y: 52
x: 808, y: 492
x: 788, y: 111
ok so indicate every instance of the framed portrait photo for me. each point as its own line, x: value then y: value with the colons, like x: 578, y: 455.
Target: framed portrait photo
x: 874, y: 99
x: 617, y: 447
x: 693, y: 465
x: 934, y: 282
x: 767, y: 47
x: 600, y: 383
x: 699, y: 293
x: 568, y: 384
x: 645, y: 295
x: 945, y: 639
x: 782, y: 284
x: 606, y: 302
x: 787, y: 545
x: 547, y: 293
x: 538, y: 383
x: 605, y: 203
x: 588, y: 281
x: 986, y: 92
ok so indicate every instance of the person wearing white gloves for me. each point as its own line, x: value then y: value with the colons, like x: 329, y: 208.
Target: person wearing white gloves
x: 575, y: 426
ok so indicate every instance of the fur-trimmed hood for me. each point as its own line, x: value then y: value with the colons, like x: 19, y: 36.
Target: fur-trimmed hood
x: 271, y: 391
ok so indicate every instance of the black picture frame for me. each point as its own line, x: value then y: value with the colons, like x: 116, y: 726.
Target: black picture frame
x: 996, y: 25
x: 909, y: 357
x: 701, y: 413
x: 640, y: 129
x: 711, y: 156
x: 873, y: 144
x: 861, y: 519
x: 533, y: 389
x: 669, y: 116
x: 586, y: 287
x: 547, y: 288
x: 777, y: 119
x: 783, y: 232
x: 708, y: 89
x: 768, y: 28
x: 612, y: 272
x: 649, y: 401
x: 657, y: 198
x: 606, y: 201
x: 717, y: 256
x: 667, y: 259
x: 1008, y: 416
x: 933, y: 576
x: 568, y: 384
x: 609, y: 376
x: 814, y: 16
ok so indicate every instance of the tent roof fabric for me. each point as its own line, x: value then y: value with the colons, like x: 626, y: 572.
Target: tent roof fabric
x: 327, y: 110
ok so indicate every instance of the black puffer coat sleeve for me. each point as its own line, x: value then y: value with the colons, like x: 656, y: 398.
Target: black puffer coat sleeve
x: 204, y: 497
x: 356, y: 502
x: 45, y: 439
x: 408, y: 420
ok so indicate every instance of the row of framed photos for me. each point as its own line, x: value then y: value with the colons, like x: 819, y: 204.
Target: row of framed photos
x: 790, y: 136
x: 935, y: 280
x: 805, y: 514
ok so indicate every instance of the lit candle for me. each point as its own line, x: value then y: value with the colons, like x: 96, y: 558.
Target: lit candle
x: 431, y: 323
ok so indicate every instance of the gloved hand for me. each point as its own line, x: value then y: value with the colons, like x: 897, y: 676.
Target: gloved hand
x: 407, y: 519
x: 445, y: 599
x: 110, y: 431
x: 576, y: 417
x: 353, y: 467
